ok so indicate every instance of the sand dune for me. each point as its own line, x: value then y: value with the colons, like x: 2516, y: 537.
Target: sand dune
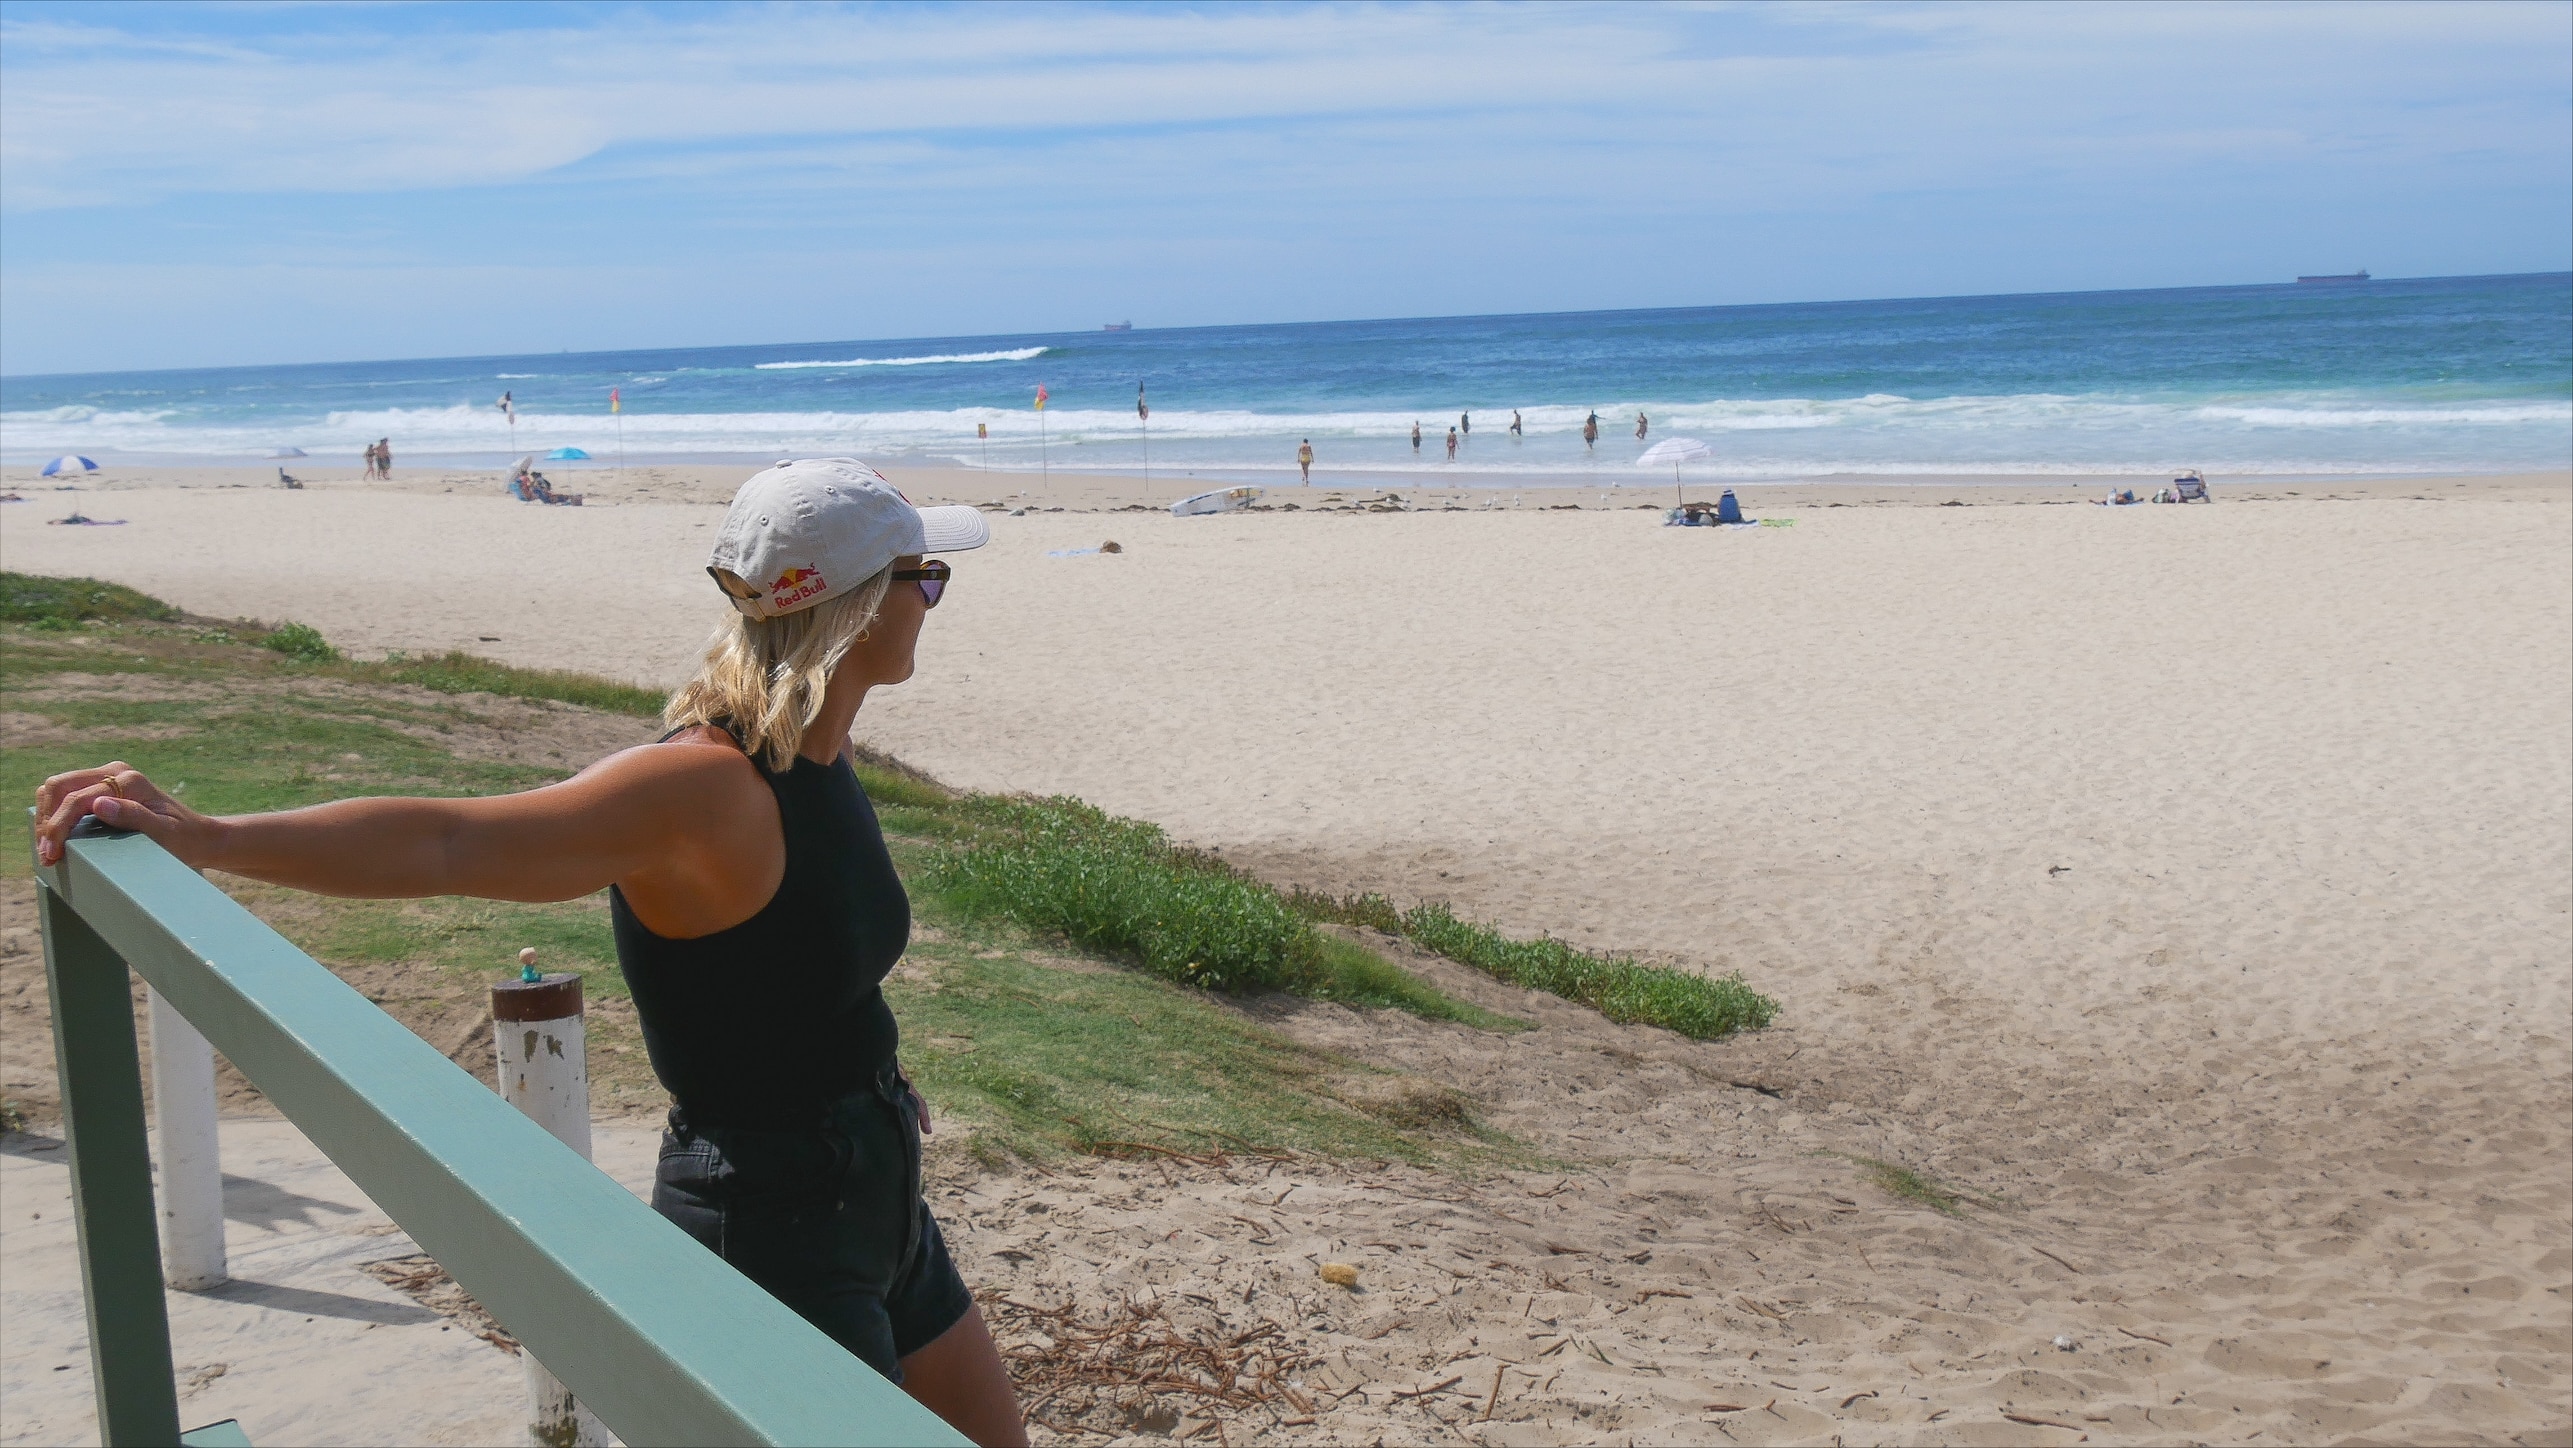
x: 2194, y: 881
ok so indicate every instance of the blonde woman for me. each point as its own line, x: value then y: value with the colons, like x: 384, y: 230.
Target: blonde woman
x: 756, y: 915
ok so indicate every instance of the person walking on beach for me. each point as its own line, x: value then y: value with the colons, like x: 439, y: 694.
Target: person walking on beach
x: 370, y: 462
x: 1514, y: 424
x: 1304, y: 461
x: 1451, y: 444
x: 384, y: 458
x: 1642, y: 426
x: 755, y: 909
x: 1416, y: 435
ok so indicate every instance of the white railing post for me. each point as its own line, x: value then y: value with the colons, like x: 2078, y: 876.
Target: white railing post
x: 543, y: 1047
x: 191, y: 1158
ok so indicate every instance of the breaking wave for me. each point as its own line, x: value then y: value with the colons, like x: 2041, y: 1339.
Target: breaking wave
x: 1015, y: 354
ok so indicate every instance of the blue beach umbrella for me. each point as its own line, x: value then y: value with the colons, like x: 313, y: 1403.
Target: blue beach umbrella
x: 567, y: 454
x: 69, y: 463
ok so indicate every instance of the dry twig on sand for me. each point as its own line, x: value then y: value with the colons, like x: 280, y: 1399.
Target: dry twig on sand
x: 427, y: 1283
x: 1130, y: 1352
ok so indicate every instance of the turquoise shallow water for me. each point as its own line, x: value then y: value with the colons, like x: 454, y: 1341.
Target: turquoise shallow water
x: 2469, y: 374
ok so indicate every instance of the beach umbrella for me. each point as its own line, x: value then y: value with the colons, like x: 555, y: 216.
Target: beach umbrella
x: 567, y: 454
x: 69, y: 463
x: 1675, y: 451
x: 285, y: 452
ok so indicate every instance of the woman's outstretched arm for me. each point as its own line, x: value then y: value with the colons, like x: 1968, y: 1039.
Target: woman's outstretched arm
x: 628, y: 813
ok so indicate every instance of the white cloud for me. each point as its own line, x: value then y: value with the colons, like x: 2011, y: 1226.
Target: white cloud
x: 801, y: 171
x: 95, y: 117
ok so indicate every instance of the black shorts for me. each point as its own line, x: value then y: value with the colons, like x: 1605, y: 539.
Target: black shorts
x: 827, y: 1217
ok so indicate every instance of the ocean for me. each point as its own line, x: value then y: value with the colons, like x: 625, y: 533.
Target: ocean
x: 2466, y: 374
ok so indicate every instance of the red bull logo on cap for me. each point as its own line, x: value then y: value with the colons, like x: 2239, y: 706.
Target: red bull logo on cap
x: 794, y: 586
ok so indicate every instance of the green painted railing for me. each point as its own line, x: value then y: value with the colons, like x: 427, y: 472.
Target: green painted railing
x: 656, y: 1335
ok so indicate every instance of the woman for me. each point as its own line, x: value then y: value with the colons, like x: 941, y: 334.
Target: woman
x: 756, y: 915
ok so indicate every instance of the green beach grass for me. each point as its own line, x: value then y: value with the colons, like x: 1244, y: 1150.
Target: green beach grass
x: 1040, y: 1059
x: 1031, y: 1057
x: 1699, y: 1007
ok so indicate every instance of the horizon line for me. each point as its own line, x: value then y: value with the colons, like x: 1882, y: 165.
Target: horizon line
x: 6, y: 377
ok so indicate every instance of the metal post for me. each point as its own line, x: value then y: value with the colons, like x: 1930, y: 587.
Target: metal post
x: 543, y: 1046
x: 111, y: 1179
x: 191, y: 1158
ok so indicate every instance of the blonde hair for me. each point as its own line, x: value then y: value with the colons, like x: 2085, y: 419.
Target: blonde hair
x: 763, y: 678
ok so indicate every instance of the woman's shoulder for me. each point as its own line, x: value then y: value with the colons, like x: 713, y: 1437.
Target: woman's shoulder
x: 702, y: 756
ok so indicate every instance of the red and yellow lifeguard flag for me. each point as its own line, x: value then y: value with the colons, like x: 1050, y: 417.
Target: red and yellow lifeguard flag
x: 615, y: 402
x: 1040, y: 397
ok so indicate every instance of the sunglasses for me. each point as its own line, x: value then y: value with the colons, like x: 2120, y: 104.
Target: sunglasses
x: 932, y: 577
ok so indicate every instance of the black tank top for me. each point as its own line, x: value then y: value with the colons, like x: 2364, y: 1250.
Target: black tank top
x: 773, y: 1018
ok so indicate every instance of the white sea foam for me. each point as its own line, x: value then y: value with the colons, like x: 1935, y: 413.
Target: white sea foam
x: 2033, y: 435
x: 1017, y: 354
x: 2391, y: 416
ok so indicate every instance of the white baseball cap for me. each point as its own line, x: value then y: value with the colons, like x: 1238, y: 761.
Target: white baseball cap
x: 811, y: 529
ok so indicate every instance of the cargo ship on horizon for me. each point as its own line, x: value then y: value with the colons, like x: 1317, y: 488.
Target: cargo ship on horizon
x: 2345, y: 278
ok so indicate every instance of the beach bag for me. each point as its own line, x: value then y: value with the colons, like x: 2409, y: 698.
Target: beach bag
x: 1727, y: 509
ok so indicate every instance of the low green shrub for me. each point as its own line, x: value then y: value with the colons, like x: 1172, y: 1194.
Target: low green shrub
x: 300, y: 641
x: 1618, y: 988
x: 1117, y: 886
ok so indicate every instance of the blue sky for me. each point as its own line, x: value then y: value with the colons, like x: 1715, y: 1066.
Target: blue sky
x: 189, y: 185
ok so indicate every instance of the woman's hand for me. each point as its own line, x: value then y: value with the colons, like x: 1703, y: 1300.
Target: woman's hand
x: 121, y: 798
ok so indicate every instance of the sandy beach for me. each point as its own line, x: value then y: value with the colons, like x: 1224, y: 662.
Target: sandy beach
x: 2198, y: 882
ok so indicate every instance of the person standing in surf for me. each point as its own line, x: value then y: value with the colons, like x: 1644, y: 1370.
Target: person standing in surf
x: 1590, y: 432
x: 1515, y: 433
x: 1642, y: 426
x: 756, y: 914
x: 1416, y: 435
x: 1304, y: 461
